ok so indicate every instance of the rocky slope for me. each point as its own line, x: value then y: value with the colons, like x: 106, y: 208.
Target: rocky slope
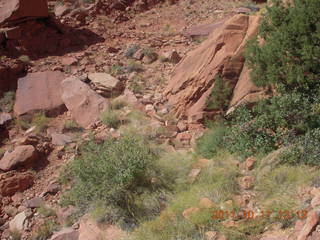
x: 68, y: 63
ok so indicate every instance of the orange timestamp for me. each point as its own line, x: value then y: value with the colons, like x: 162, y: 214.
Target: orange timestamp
x: 249, y: 214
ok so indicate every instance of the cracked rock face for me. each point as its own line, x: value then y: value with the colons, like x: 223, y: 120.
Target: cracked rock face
x: 220, y: 55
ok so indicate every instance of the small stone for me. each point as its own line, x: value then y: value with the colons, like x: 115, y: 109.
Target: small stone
x: 182, y: 126
x: 20, y: 155
x: 4, y: 118
x: 246, y: 182
x: 34, y: 202
x: 315, y: 201
x: 206, y: 203
x: 187, y: 213
x: 149, y: 108
x: 250, y: 163
x: 68, y: 61
x: 211, y: 235
x: 60, y: 139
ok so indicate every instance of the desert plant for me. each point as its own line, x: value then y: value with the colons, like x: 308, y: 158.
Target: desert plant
x: 71, y: 125
x: 7, y: 101
x: 131, y: 51
x: 111, y: 176
x: 134, y: 67
x: 220, y: 95
x: 44, y: 231
x: 46, y: 211
x: 111, y: 118
x: 40, y: 121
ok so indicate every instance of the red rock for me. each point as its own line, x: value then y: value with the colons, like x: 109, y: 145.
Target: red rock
x: 20, y: 156
x: 61, y: 10
x: 203, y: 30
x: 39, y: 91
x: 84, y: 104
x: 246, y: 182
x: 182, y: 126
x: 68, y: 61
x: 10, y: 183
x: 211, y: 235
x: 312, y: 221
x: 250, y: 163
x: 12, y: 10
x: 67, y: 233
x: 193, y: 79
x: 89, y: 230
x: 315, y: 201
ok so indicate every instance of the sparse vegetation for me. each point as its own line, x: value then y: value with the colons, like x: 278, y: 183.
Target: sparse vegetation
x: 71, y: 125
x: 109, y: 178
x: 117, y: 69
x: 111, y: 118
x: 25, y: 59
x: 46, y: 211
x: 131, y: 51
x: 7, y: 101
x: 45, y: 230
x: 15, y: 235
x: 134, y: 67
x: 40, y: 121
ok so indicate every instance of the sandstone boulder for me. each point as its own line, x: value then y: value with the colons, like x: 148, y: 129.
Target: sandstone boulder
x: 10, y: 183
x: 89, y: 230
x: 39, y: 91
x: 19, y: 222
x: 84, y: 104
x: 67, y: 233
x: 105, y: 84
x: 20, y: 156
x: 13, y: 10
x: 220, y: 55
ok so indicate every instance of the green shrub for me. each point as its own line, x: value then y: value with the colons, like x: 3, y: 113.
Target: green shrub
x: 111, y: 176
x: 71, y: 125
x: 131, y: 51
x: 117, y: 69
x: 7, y: 101
x: 111, y: 118
x: 305, y: 149
x: 46, y: 211
x: 134, y: 67
x: 220, y: 95
x: 40, y: 121
x: 287, y: 59
x: 212, y: 141
x: 44, y: 231
x: 270, y: 124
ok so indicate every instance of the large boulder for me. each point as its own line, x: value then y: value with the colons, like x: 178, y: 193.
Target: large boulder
x: 39, y: 91
x: 220, y: 55
x: 84, y: 104
x: 20, y: 156
x: 13, y: 10
x: 13, y: 182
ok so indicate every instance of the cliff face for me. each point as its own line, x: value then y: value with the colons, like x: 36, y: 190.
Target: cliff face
x: 220, y: 55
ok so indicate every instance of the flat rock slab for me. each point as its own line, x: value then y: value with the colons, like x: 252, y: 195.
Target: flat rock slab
x: 60, y: 139
x: 18, y: 223
x: 84, y: 104
x: 20, y: 155
x: 39, y: 91
x: 64, y: 234
x: 105, y: 83
x: 13, y: 10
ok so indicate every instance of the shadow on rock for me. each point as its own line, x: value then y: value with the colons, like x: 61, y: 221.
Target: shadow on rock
x: 45, y: 37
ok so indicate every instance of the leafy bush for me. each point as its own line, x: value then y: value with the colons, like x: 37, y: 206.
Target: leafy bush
x: 111, y: 176
x: 270, y: 124
x: 305, y: 150
x: 287, y: 59
x: 220, y: 95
